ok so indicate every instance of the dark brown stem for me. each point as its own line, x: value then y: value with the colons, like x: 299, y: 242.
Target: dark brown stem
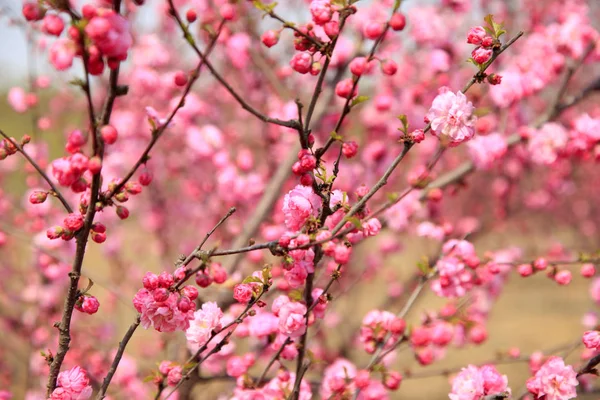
x: 117, y: 358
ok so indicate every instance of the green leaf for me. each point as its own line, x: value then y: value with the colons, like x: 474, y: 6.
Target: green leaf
x: 335, y: 136
x: 354, y: 221
x: 268, y: 8
x: 404, y: 119
x: 266, y: 274
x: 397, y: 5
x: 358, y: 100
x: 424, y: 267
x: 392, y: 197
x: 295, y: 294
x: 251, y: 279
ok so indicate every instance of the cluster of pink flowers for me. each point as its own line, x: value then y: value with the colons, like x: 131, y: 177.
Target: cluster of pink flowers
x: 591, y: 340
x: 451, y: 117
x: 163, y: 308
x: 554, y: 381
x: 171, y: 371
x: 380, y: 328
x: 72, y: 384
x: 546, y: 144
x: 455, y: 269
x: 474, y: 383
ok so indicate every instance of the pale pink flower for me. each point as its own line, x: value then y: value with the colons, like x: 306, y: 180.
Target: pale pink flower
x: 485, y: 150
x: 277, y: 388
x: 591, y: 340
x: 298, y: 205
x: 292, y: 321
x: 321, y: 11
x: 451, y: 116
x: 554, y: 381
x: 467, y: 385
x: 17, y: 98
x: 340, y: 373
x: 547, y: 143
x: 207, y: 319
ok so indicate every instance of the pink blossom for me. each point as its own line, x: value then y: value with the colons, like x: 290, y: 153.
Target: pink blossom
x: 61, y: 54
x: 481, y: 55
x: 280, y: 386
x: 338, y: 379
x: 591, y: 340
x: 292, y: 320
x: 547, y: 143
x: 298, y: 205
x: 554, y: 381
x: 243, y: 292
x: 205, y: 321
x: 88, y: 304
x: 473, y: 383
x: 174, y: 375
x: 73, y: 384
x: 475, y: 35
x: 109, y: 31
x: 17, y: 98
x: 321, y: 11
x: 451, y: 117
x: 485, y: 150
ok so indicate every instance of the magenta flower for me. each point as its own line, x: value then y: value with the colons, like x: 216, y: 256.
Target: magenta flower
x: 298, y: 205
x: 73, y: 384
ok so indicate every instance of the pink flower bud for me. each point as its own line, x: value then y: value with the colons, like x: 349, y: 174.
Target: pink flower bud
x: 487, y: 41
x: 398, y: 326
x: 165, y: 280
x: 53, y: 25
x: 180, y: 273
x: 358, y: 66
x: 32, y: 11
x: 475, y: 35
x: 165, y: 366
x: 88, y: 304
x: 174, y: 376
x: 563, y: 277
x: 362, y: 379
x: 478, y: 334
x: 219, y: 274
x: 418, y: 135
x: 191, y: 15
x: 227, y: 12
x: 494, y: 79
x: 150, y: 281
x: 349, y: 149
x: 94, y: 165
x: 372, y: 30
x: 184, y: 304
x: 588, y: 270
x: 73, y: 222
x: 243, y: 293
x: 160, y: 294
x: 190, y: 292
x: 270, y: 38
x: 180, y: 78
x: 344, y: 89
x: 54, y: 232
x: 481, y: 55
x: 420, y: 336
x: 301, y: 62
x: 393, y: 380
x: 109, y: 134
x: 203, y: 280
x: 398, y: 21
x: 98, y: 237
x: 389, y: 67
x: 306, y: 180
x: 525, y: 270
x: 122, y: 212
x: 38, y: 197
x: 540, y: 264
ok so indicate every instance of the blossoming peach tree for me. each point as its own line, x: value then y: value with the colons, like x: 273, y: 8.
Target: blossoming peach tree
x: 269, y: 143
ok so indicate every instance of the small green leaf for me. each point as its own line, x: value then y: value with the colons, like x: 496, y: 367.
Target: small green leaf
x: 335, y: 136
x: 251, y: 279
x: 354, y: 221
x: 404, y: 119
x: 266, y: 274
x: 392, y: 197
x: 358, y: 100
x: 295, y: 294
x: 424, y: 267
